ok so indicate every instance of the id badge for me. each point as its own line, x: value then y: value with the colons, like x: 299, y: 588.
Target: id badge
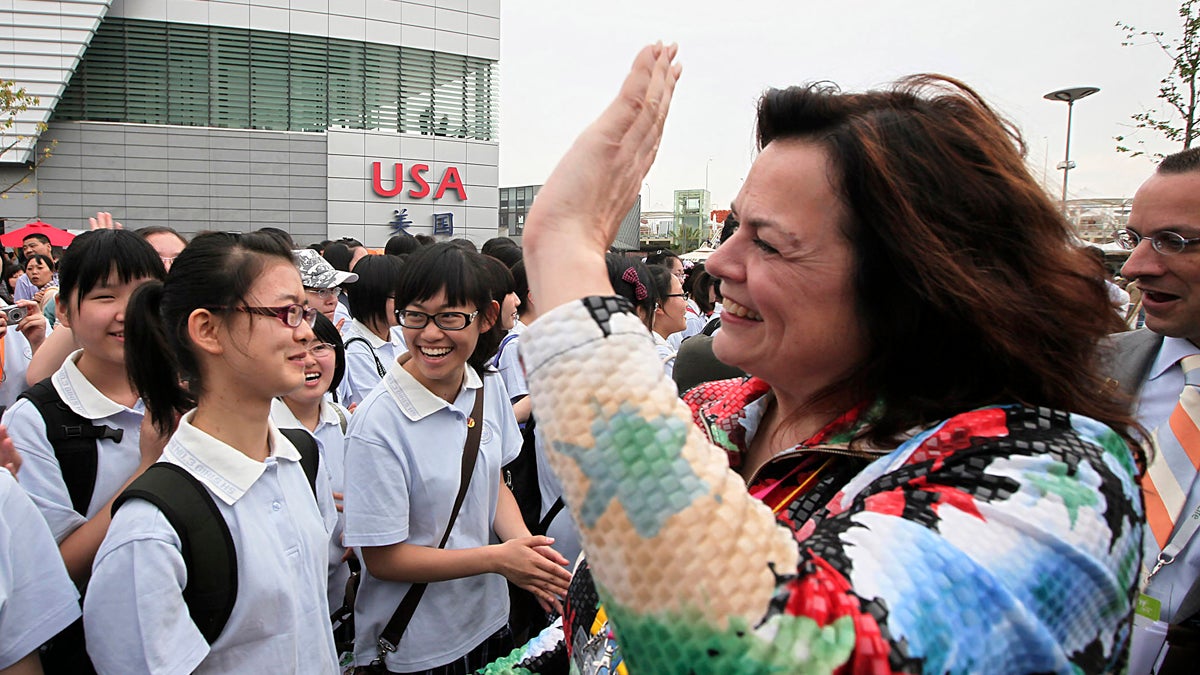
x: 1149, y: 636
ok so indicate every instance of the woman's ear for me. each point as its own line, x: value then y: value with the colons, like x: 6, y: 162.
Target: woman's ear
x: 204, y: 329
x: 490, y: 314
x: 62, y: 313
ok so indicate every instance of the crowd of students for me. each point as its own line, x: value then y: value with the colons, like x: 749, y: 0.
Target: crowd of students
x: 229, y: 439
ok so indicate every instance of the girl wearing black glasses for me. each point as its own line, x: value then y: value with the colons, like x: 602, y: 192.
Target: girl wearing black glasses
x: 404, y: 456
x: 223, y: 336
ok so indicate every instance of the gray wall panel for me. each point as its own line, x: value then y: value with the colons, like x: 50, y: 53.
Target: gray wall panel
x: 192, y: 179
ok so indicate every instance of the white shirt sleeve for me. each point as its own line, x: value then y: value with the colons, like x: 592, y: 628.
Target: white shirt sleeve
x: 37, y: 598
x: 510, y: 369
x: 134, y: 614
x: 41, y: 475
x: 377, y: 507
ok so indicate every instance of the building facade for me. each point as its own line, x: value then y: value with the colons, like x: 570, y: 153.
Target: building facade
x: 326, y: 118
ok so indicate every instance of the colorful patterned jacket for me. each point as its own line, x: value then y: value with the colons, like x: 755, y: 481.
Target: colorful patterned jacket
x: 1001, y: 540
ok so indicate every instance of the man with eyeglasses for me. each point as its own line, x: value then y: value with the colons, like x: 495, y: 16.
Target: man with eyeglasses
x: 1162, y: 233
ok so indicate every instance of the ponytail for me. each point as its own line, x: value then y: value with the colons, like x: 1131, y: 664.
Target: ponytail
x: 151, y: 359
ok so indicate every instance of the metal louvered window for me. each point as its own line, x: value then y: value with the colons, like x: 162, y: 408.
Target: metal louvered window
x: 152, y: 72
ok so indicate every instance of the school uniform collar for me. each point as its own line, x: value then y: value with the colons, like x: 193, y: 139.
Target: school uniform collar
x: 288, y: 420
x: 366, y: 333
x: 219, y: 466
x: 1172, y: 350
x: 81, y: 396
x: 415, y: 401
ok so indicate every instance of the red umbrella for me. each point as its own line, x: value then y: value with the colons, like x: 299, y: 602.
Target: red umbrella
x: 57, y: 237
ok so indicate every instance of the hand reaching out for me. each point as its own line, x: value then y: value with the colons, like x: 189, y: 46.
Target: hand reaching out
x: 9, y: 457
x: 103, y: 220
x: 530, y: 563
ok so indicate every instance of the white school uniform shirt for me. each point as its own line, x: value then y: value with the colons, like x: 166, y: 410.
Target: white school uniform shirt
x: 134, y: 614
x: 361, y: 372
x: 37, y: 598
x: 666, y: 353
x: 403, y: 465
x: 41, y: 475
x: 331, y: 442
x: 508, y: 363
x: 17, y: 355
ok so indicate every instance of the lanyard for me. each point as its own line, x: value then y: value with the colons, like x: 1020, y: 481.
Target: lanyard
x: 1176, y: 544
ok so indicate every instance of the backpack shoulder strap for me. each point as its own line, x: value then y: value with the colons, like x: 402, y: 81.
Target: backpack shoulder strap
x: 207, y: 545
x: 336, y: 408
x: 378, y: 366
x: 500, y: 350
x: 73, y: 438
x: 310, y: 457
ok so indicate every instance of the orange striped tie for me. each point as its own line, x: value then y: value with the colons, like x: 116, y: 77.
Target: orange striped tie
x: 1166, y: 484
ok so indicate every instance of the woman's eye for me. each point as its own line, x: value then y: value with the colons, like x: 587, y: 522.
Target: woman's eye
x: 766, y: 248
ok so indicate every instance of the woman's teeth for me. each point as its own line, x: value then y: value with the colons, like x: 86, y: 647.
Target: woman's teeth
x: 434, y: 353
x: 737, y: 310
x: 312, y: 377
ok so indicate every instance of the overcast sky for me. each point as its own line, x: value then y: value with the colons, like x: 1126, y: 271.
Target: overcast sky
x: 561, y: 62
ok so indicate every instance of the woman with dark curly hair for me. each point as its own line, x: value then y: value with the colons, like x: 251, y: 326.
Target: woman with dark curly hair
x: 923, y: 472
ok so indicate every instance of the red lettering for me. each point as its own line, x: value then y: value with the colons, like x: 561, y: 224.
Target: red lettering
x: 377, y: 179
x: 451, y: 180
x: 422, y: 189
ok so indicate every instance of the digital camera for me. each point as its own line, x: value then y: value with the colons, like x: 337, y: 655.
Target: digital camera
x: 13, y: 313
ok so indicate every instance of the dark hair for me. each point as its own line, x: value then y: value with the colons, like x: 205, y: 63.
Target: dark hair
x: 11, y: 268
x: 968, y: 285
x: 1184, y: 161
x: 464, y: 278
x: 350, y: 242
x: 617, y: 271
x: 148, y: 230
x: 216, y: 269
x: 424, y: 239
x: 47, y: 260
x: 465, y: 244
x: 508, y: 255
x: 318, y: 248
x: 521, y: 282
x: 401, y: 244
x: 702, y: 282
x: 660, y: 276
x: 283, y: 237
x: 96, y: 254
x: 326, y: 332
x: 36, y: 235
x: 338, y: 256
x: 502, y: 279
x: 661, y: 256
x: 377, y: 277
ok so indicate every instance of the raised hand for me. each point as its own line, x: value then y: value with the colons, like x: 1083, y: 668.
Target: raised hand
x: 579, y: 209
x: 103, y: 220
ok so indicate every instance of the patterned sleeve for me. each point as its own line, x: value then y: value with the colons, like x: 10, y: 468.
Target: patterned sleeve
x: 1002, y: 540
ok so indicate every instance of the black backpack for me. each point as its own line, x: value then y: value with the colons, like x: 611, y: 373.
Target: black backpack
x: 73, y: 438
x: 206, y: 543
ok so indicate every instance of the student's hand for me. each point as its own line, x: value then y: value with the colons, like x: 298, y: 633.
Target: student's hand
x: 520, y: 561
x: 338, y: 499
x: 152, y: 443
x: 33, y: 326
x: 9, y: 457
x: 37, y: 297
x: 104, y: 221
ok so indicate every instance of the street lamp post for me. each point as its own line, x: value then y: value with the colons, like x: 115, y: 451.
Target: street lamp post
x: 1069, y: 96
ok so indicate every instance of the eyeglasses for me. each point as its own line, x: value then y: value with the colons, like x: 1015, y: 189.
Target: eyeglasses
x: 324, y: 292
x: 1165, y: 242
x: 291, y: 315
x: 321, y: 349
x: 444, y: 320
x: 677, y: 295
